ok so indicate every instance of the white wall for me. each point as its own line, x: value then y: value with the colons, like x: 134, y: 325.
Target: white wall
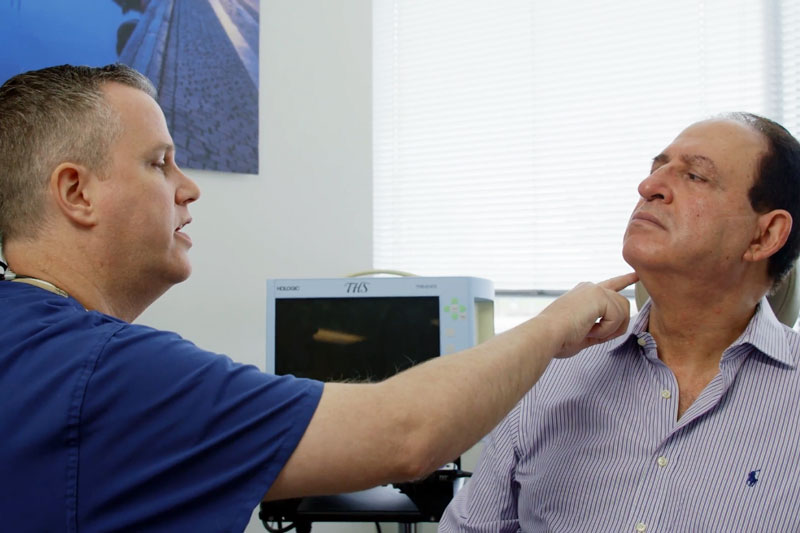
x: 309, y: 211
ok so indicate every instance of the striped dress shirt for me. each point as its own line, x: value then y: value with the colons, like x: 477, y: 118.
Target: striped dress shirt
x: 597, y: 445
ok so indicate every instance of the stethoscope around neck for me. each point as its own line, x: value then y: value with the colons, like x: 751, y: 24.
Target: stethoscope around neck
x: 8, y: 275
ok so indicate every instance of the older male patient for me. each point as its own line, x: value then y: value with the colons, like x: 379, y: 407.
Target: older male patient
x: 689, y: 422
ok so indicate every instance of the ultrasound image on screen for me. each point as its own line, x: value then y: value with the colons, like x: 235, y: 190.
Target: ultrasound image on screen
x: 354, y: 339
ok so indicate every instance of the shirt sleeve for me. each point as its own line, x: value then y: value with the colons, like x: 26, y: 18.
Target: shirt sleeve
x: 174, y: 438
x: 488, y: 502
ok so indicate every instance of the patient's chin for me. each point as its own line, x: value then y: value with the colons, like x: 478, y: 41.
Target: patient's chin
x: 640, y: 255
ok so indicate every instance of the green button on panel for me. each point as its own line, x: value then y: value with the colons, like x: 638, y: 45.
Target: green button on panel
x: 454, y: 309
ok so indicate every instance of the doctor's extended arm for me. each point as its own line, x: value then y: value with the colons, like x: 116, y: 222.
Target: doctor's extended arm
x: 363, y: 435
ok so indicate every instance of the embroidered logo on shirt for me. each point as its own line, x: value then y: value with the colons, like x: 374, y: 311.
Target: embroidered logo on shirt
x: 751, y: 478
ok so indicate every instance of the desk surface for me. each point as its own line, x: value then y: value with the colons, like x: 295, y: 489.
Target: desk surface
x: 382, y: 504
x: 379, y: 504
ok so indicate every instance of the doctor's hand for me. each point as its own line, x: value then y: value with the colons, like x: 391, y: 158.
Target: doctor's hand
x: 589, y: 314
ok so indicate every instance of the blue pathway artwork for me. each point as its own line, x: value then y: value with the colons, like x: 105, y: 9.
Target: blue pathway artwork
x: 202, y: 56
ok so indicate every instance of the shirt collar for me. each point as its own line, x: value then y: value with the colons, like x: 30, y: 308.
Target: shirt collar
x: 764, y: 332
x: 636, y: 327
x: 767, y: 334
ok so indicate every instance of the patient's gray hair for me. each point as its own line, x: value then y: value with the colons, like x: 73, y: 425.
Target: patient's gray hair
x: 47, y: 117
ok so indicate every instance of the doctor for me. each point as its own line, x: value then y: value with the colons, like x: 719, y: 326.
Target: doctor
x: 109, y: 425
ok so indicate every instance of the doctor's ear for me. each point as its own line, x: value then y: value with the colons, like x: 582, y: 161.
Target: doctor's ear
x: 770, y: 236
x: 70, y: 185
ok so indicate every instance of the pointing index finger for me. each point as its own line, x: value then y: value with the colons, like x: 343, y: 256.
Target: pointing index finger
x: 620, y: 282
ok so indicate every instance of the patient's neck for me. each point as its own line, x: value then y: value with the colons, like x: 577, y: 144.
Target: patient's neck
x: 696, y: 320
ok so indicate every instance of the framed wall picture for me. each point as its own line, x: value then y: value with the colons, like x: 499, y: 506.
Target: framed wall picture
x: 202, y: 56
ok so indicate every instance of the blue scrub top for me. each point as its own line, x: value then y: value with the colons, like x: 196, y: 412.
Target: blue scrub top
x: 108, y: 426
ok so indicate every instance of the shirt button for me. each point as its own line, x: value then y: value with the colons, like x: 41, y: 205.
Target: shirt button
x: 666, y: 394
x: 641, y: 528
x: 662, y: 461
x: 642, y: 341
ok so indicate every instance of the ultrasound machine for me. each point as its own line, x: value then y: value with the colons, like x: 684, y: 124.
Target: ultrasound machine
x: 367, y: 329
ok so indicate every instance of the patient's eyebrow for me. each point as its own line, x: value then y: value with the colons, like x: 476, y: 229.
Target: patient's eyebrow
x: 660, y: 159
x: 706, y: 163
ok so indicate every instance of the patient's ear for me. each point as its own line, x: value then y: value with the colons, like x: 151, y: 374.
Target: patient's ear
x: 771, y: 234
x: 70, y: 184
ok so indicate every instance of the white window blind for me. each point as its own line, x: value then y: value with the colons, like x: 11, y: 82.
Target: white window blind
x: 510, y: 135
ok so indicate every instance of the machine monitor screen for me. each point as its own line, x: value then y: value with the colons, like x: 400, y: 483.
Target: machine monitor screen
x: 354, y: 339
